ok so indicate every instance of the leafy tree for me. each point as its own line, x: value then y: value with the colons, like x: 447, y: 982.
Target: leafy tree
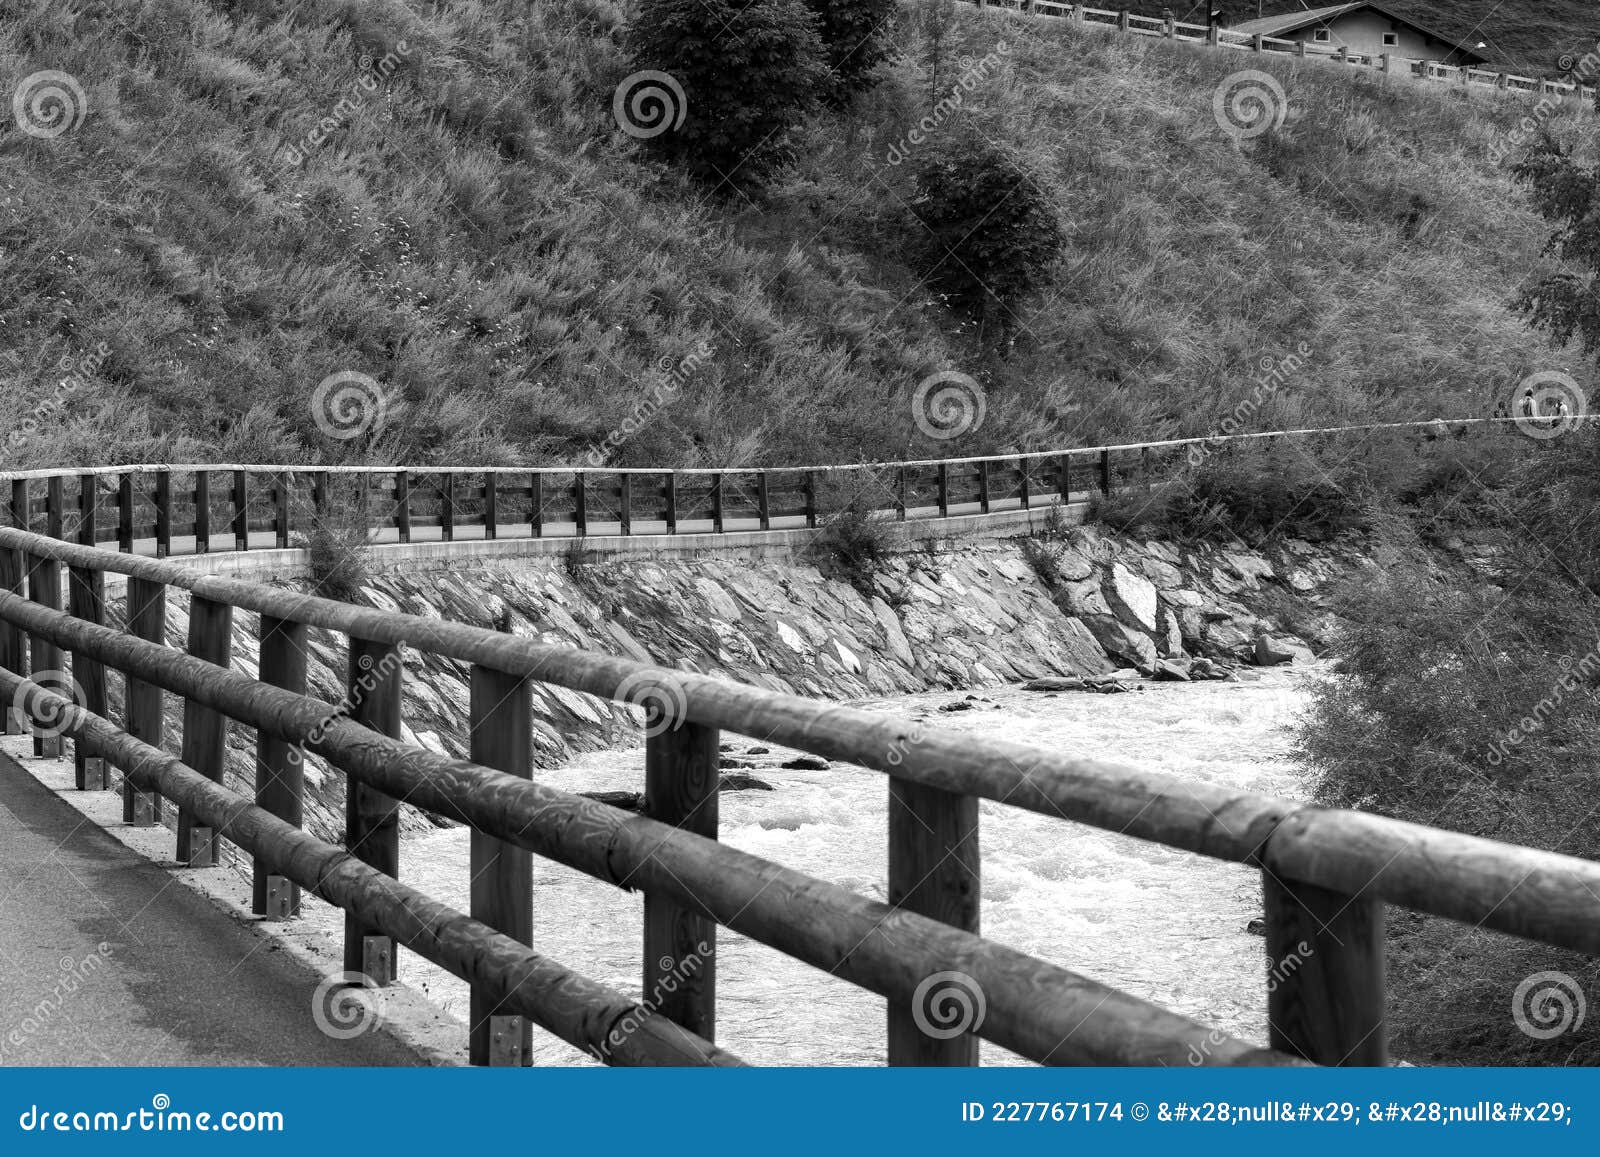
x: 856, y: 35
x: 748, y: 75
x: 992, y: 234
x: 1565, y: 304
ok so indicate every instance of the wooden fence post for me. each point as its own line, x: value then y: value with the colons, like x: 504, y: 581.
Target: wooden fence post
x: 1105, y: 472
x: 1024, y: 481
x: 280, y: 765
x: 680, y: 788
x: 900, y: 493
x: 205, y: 731
x: 163, y: 513
x: 672, y: 503
x: 283, y: 482
x: 402, y: 505
x: 1258, y: 43
x: 20, y: 514
x: 44, y: 588
x: 934, y: 872
x: 53, y: 506
x: 809, y: 485
x: 983, y: 486
x: 447, y: 507
x: 241, y: 510
x: 536, y: 496
x: 202, y: 512
x: 625, y: 503
x: 1064, y: 478
x: 372, y: 819
x: 13, y: 641
x: 502, y: 874
x: 491, y: 505
x: 762, y: 506
x: 1122, y: 20
x: 716, y: 504
x: 86, y: 600
x: 1325, y: 980
x: 944, y: 490
x: 88, y: 509
x: 147, y: 620
x: 580, y: 503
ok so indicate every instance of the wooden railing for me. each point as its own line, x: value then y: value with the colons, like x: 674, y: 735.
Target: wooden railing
x: 163, y: 510
x: 1326, y: 874
x: 1389, y: 63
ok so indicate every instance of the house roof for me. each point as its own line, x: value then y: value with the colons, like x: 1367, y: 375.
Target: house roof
x: 1294, y: 21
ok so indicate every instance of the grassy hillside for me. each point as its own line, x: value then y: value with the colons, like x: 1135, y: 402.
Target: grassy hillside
x: 474, y: 233
x: 1529, y: 36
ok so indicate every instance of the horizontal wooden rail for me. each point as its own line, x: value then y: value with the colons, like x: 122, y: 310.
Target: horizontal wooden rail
x: 1042, y: 1012
x: 1517, y: 890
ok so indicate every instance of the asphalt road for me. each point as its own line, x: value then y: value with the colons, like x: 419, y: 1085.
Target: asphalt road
x: 106, y: 959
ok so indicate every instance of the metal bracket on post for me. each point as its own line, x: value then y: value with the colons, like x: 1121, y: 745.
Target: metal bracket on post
x: 377, y: 960
x: 47, y: 746
x: 144, y: 809
x: 95, y: 775
x: 505, y: 1042
x: 202, y: 847
x: 280, y: 898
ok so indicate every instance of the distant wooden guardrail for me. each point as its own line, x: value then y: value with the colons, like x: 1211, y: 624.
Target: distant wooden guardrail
x: 169, y: 510
x: 1390, y: 64
x: 1326, y: 874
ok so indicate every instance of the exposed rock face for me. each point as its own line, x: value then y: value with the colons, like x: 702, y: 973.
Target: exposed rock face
x: 976, y: 616
x: 1131, y: 596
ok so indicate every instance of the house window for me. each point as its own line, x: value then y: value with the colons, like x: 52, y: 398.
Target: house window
x: 1323, y: 36
x: 1391, y: 40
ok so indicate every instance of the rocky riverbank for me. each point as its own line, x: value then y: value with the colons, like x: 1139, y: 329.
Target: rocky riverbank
x: 1078, y: 608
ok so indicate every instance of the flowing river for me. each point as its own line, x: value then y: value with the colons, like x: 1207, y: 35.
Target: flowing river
x: 1161, y: 924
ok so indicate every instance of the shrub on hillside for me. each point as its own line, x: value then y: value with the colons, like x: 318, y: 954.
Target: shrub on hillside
x: 1566, y: 193
x: 748, y: 74
x: 992, y: 234
x: 855, y: 34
